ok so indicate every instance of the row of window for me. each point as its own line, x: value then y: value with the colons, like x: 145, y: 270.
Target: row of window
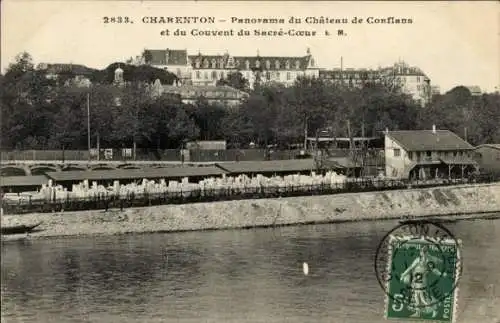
x: 429, y: 154
x: 220, y: 64
x: 216, y: 76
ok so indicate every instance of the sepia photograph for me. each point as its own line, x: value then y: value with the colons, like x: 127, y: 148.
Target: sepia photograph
x: 250, y: 161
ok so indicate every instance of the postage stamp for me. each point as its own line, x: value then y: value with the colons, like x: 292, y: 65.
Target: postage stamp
x: 420, y: 272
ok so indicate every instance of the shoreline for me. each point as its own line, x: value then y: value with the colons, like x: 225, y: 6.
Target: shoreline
x: 453, y: 217
x: 452, y: 203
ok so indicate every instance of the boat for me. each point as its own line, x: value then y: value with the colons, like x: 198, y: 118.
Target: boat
x: 19, y: 229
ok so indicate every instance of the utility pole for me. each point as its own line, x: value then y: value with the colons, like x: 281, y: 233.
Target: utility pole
x: 342, y: 70
x: 305, y: 132
x: 88, y: 123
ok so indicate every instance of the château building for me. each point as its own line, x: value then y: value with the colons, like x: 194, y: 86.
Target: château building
x: 206, y: 70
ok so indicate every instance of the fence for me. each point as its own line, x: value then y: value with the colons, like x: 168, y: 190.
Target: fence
x: 227, y: 194
x: 169, y: 155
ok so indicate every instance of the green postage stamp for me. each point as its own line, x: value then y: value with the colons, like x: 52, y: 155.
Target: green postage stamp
x: 421, y: 278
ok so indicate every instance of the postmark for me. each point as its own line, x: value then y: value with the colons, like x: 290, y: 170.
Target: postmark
x: 418, y: 265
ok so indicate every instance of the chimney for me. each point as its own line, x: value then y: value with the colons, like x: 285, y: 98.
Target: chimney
x: 433, y: 128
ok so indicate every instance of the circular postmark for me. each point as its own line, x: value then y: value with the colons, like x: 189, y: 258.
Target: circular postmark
x: 418, y: 264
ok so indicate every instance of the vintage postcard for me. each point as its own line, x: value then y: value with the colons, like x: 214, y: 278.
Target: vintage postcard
x: 250, y: 161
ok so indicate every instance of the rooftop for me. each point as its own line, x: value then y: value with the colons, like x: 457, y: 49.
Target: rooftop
x: 425, y: 140
x: 11, y: 181
x: 271, y: 166
x: 253, y: 62
x: 136, y: 174
x: 167, y: 56
x: 494, y: 146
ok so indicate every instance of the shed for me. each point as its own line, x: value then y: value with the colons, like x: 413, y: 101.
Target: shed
x: 131, y: 175
x: 17, y: 184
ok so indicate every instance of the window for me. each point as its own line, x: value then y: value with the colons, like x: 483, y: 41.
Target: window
x: 247, y: 65
x: 268, y: 76
x: 205, y: 75
x: 214, y: 74
x: 198, y: 74
x: 428, y: 153
x: 410, y: 155
x: 277, y: 64
x: 418, y: 78
x: 198, y: 63
x: 214, y: 63
x: 397, y: 152
x: 287, y: 65
x: 257, y: 63
x: 288, y: 76
x: 178, y: 72
x: 205, y: 63
x: 278, y: 75
x: 297, y: 64
x: 268, y: 65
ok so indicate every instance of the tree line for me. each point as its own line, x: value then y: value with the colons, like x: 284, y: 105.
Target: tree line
x: 39, y: 114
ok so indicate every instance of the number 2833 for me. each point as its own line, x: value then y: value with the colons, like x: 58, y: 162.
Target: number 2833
x: 117, y: 20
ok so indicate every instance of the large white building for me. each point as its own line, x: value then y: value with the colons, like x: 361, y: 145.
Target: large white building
x: 206, y: 70
x: 411, y: 80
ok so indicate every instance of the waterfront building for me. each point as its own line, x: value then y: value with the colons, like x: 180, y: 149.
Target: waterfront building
x: 425, y: 154
x: 488, y: 158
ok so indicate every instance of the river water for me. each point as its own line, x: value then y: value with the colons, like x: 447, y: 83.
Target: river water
x: 229, y: 276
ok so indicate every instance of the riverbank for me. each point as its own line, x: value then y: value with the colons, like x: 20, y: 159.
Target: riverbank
x: 457, y: 201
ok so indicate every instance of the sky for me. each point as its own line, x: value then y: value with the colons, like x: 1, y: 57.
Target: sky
x: 454, y: 43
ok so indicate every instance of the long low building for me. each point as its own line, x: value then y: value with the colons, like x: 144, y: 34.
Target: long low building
x: 17, y: 184
x: 488, y: 158
x: 194, y: 174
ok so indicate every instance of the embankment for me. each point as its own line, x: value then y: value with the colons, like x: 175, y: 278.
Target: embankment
x: 464, y: 199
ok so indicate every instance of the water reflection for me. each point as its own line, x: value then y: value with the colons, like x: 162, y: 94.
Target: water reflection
x: 226, y: 276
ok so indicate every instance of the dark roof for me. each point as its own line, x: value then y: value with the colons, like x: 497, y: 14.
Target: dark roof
x: 150, y: 173
x: 167, y: 56
x: 494, y: 146
x: 76, y: 69
x: 348, y: 74
x: 37, y: 180
x: 341, y: 162
x: 423, y: 140
x: 239, y: 62
x: 474, y: 89
x: 207, y: 91
x: 272, y: 166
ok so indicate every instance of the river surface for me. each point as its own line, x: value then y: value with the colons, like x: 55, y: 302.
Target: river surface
x: 229, y: 276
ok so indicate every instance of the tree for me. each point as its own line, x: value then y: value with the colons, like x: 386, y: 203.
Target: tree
x: 236, y: 80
